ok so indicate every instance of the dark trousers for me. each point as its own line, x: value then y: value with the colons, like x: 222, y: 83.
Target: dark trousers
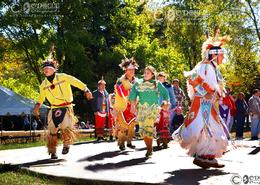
x: 240, y: 125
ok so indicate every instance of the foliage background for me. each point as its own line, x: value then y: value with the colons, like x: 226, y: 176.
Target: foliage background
x: 92, y: 36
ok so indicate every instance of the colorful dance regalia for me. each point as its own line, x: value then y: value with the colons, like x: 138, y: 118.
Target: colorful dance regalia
x: 148, y: 107
x: 162, y: 128
x: 203, y: 131
x: 125, y: 120
x: 61, y: 116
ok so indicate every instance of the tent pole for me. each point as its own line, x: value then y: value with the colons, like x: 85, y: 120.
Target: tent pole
x: 45, y: 121
x: 30, y: 124
x: 2, y: 122
x: 45, y: 124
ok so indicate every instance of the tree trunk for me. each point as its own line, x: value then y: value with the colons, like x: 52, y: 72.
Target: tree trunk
x: 254, y: 19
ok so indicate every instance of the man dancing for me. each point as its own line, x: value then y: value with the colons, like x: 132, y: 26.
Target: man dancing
x: 125, y: 120
x: 56, y: 88
x: 203, y: 131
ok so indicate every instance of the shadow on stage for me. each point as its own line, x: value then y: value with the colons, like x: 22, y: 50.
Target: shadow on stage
x: 111, y: 154
x: 192, y: 176
x: 255, y: 151
x: 155, y: 149
x: 102, y: 156
x: 42, y: 163
x: 119, y: 165
x: 90, y: 142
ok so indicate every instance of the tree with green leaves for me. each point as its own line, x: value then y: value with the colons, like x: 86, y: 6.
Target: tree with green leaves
x: 91, y: 37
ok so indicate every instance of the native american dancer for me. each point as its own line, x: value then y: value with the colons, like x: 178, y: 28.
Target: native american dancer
x: 56, y: 88
x: 125, y: 120
x: 148, y: 90
x: 100, y: 106
x: 162, y: 127
x: 203, y: 131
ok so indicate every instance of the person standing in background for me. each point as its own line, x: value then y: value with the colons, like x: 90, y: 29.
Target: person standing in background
x: 232, y: 106
x: 180, y: 100
x: 162, y: 78
x: 254, y: 112
x: 26, y: 123
x: 111, y: 117
x: 242, y: 109
x: 100, y: 106
x: 178, y: 119
x: 179, y: 94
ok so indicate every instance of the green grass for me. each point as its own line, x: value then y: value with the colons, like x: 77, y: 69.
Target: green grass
x: 13, y: 175
x: 22, y: 178
x: 21, y: 145
x: 29, y: 144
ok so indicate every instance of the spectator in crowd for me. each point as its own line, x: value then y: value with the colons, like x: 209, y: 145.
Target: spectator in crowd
x: 82, y: 125
x: 34, y: 125
x: 179, y: 94
x: 100, y: 106
x: 178, y: 119
x: 12, y: 125
x: 180, y: 101
x: 227, y: 109
x: 39, y: 123
x: 224, y: 110
x: 111, y: 117
x: 233, y: 108
x: 242, y: 109
x: 162, y: 78
x: 254, y: 112
x: 26, y: 123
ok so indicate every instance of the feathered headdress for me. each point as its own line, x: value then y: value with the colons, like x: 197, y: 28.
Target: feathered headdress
x: 50, y: 61
x: 102, y: 81
x: 212, y: 42
x: 128, y: 63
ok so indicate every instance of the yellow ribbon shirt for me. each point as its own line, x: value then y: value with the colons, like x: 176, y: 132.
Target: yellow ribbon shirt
x: 59, y: 92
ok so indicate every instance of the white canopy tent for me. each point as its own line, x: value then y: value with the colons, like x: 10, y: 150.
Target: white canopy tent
x: 12, y: 103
